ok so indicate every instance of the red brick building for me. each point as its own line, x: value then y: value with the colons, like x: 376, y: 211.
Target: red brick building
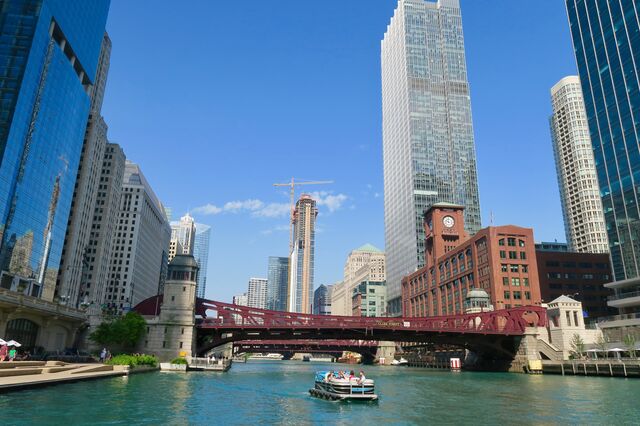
x: 499, y: 259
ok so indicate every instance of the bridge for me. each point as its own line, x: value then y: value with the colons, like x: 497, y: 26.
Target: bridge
x: 495, y: 336
x: 288, y: 348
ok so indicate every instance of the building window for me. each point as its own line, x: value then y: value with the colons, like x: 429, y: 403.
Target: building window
x: 504, y: 267
x: 501, y: 242
x: 521, y: 243
x: 513, y: 255
x: 164, y: 344
x: 525, y: 268
x: 182, y: 331
x: 527, y: 295
x: 505, y: 281
x: 173, y: 298
x: 515, y: 282
x: 523, y: 255
x: 517, y: 295
x: 514, y: 268
x: 507, y: 295
x: 525, y: 282
x: 503, y: 254
x: 180, y: 345
x: 511, y: 242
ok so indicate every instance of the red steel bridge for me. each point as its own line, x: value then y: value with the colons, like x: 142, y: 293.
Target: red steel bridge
x: 290, y: 347
x: 494, y: 334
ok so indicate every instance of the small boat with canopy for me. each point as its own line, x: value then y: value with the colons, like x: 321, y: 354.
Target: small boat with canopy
x: 333, y: 386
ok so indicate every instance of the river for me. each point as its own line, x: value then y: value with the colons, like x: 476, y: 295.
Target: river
x: 276, y: 392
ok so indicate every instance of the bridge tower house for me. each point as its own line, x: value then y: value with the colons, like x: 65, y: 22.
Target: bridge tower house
x: 172, y: 333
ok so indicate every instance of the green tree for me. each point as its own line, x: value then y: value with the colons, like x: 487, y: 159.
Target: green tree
x: 123, y: 331
x: 577, y: 346
x: 630, y: 343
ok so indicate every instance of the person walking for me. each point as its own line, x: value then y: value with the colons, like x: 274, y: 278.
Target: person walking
x: 12, y: 353
x: 103, y: 355
x: 3, y: 352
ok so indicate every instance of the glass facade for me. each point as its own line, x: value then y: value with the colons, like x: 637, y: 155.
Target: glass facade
x: 428, y: 144
x: 201, y: 254
x: 49, y: 51
x: 300, y: 293
x: 606, y: 39
x: 277, y: 282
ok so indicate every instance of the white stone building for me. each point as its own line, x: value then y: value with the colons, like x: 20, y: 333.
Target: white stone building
x: 575, y: 166
x: 257, y: 293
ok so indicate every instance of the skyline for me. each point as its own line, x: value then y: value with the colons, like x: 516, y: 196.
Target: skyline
x: 333, y: 61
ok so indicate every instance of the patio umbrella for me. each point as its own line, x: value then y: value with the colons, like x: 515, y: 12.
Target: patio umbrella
x: 2, y: 342
x: 615, y: 350
x: 13, y: 343
x: 594, y: 350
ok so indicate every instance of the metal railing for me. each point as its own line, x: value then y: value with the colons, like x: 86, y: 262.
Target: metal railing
x: 625, y: 295
x: 206, y: 362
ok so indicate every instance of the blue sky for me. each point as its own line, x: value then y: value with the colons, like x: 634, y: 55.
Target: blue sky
x: 218, y: 100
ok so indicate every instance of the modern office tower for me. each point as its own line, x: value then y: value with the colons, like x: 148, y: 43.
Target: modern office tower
x: 240, y: 299
x: 428, y: 146
x: 576, y: 169
x: 139, y: 261
x: 300, y: 294
x: 49, y: 54
x: 364, y: 264
x: 607, y: 49
x: 183, y: 232
x: 201, y: 253
x: 257, y: 293
x: 103, y: 228
x: 322, y: 300
x: 74, y: 268
x: 277, y: 283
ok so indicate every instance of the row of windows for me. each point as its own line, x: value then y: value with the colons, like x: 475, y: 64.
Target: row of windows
x: 513, y: 255
x: 583, y: 265
x: 574, y: 276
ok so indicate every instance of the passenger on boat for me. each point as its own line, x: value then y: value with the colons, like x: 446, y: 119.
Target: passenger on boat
x: 362, y: 378
x: 328, y: 377
x: 352, y: 375
x: 342, y: 375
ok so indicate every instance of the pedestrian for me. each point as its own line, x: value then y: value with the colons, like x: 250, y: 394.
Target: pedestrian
x: 103, y: 355
x: 12, y: 353
x: 3, y: 352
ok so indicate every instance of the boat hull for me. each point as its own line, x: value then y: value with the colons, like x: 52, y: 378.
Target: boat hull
x: 332, y: 396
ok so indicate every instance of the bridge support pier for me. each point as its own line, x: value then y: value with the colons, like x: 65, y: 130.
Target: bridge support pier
x: 386, y: 352
x: 528, y: 350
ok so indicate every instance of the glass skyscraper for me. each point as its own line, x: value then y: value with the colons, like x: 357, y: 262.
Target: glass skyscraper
x: 301, y: 264
x: 49, y: 51
x: 606, y: 40
x: 428, y: 145
x: 277, y: 282
x: 201, y: 254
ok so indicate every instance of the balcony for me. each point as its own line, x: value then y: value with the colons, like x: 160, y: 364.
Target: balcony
x: 624, y: 299
x: 623, y: 320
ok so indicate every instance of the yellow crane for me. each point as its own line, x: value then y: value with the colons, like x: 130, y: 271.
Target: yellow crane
x: 292, y: 185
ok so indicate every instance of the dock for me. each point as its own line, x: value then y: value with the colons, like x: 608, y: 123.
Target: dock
x: 18, y: 375
x: 604, y: 368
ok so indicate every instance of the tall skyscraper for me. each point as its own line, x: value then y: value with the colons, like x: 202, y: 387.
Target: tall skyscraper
x: 257, y: 293
x: 300, y: 294
x: 100, y: 250
x: 277, y: 283
x: 183, y: 235
x: 139, y: 263
x: 201, y: 253
x: 428, y: 146
x: 49, y: 54
x: 74, y: 266
x: 606, y: 42
x: 575, y: 166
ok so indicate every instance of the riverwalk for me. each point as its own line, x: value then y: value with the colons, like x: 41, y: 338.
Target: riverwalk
x: 17, y: 375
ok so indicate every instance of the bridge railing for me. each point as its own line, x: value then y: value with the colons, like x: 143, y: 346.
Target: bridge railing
x: 507, y: 321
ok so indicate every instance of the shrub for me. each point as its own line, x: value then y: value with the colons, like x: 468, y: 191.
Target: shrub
x: 180, y: 361
x: 133, y: 360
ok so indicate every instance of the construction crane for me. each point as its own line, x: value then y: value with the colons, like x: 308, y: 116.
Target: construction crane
x: 292, y: 185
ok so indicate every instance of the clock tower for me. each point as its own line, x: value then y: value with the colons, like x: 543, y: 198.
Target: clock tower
x: 444, y: 230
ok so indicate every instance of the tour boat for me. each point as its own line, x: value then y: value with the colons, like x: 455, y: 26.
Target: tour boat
x: 329, y: 386
x: 400, y: 362
x: 267, y: 357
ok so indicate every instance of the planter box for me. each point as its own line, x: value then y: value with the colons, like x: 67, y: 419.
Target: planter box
x: 167, y: 366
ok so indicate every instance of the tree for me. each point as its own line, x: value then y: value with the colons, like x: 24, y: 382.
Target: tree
x: 630, y: 343
x: 123, y: 331
x: 577, y: 346
x: 602, y: 345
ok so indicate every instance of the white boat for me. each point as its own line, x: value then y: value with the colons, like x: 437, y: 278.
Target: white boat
x: 321, y: 359
x: 400, y: 362
x: 329, y: 386
x: 267, y: 357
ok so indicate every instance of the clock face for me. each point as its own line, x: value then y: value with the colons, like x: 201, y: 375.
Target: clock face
x: 448, y: 221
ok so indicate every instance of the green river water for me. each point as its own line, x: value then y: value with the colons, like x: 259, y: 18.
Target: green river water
x: 275, y: 392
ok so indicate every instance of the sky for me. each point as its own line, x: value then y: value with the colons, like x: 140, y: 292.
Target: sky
x: 219, y: 100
